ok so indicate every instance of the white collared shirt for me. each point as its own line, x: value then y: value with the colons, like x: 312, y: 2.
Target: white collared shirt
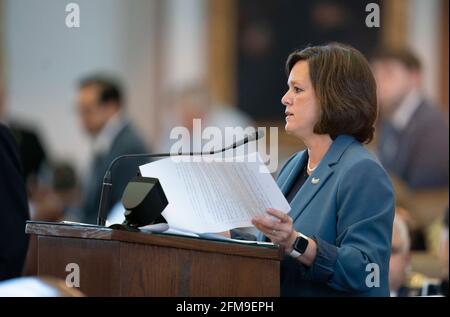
x: 403, y: 114
x: 104, y: 139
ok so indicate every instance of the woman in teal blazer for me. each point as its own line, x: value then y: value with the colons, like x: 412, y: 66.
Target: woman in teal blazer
x: 337, y: 236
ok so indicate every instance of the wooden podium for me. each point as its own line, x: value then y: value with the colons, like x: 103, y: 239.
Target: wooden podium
x: 120, y: 263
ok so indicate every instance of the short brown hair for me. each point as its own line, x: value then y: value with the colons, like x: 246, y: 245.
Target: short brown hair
x: 109, y: 88
x: 345, y: 88
x: 402, y: 55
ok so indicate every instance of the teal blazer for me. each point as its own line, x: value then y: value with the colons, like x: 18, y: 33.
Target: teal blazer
x: 347, y: 206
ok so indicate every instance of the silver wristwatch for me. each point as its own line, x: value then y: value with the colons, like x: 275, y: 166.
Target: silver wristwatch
x: 300, y: 245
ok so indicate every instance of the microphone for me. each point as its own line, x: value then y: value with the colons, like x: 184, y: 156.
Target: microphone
x: 107, y: 179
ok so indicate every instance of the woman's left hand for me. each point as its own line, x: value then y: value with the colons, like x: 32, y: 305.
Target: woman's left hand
x: 278, y: 228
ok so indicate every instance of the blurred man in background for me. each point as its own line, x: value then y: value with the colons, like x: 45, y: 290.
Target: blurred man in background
x: 400, y: 262
x: 403, y: 282
x: 100, y: 107
x: 413, y: 140
x: 13, y: 208
x: 40, y: 173
x: 32, y: 153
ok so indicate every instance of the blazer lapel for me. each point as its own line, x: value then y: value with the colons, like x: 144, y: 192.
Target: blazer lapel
x: 319, y: 177
x: 309, y: 189
x: 286, y: 183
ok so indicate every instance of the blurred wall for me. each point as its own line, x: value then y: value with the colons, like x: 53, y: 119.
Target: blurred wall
x: 423, y: 35
x: 44, y: 59
x: 184, y: 32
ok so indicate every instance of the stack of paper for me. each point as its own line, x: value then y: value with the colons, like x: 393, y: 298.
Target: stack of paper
x: 208, y: 196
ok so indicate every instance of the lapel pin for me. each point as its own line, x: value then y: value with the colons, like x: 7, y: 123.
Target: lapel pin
x: 315, y: 181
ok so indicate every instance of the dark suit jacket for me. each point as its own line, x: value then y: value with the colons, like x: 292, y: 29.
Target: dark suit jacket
x: 31, y: 150
x: 126, y: 142
x: 13, y: 208
x: 347, y: 206
x: 421, y: 152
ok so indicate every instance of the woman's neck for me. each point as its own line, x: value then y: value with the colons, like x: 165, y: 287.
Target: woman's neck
x: 318, y: 146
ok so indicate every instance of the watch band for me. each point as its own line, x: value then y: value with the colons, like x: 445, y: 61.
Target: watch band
x: 294, y: 253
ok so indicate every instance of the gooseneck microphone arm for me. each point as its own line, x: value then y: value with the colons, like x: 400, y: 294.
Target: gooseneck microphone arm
x: 107, y: 179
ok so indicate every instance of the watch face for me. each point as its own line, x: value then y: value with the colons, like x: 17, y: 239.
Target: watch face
x: 301, y: 244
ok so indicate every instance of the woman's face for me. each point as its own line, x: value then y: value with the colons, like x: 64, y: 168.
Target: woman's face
x: 302, y: 108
